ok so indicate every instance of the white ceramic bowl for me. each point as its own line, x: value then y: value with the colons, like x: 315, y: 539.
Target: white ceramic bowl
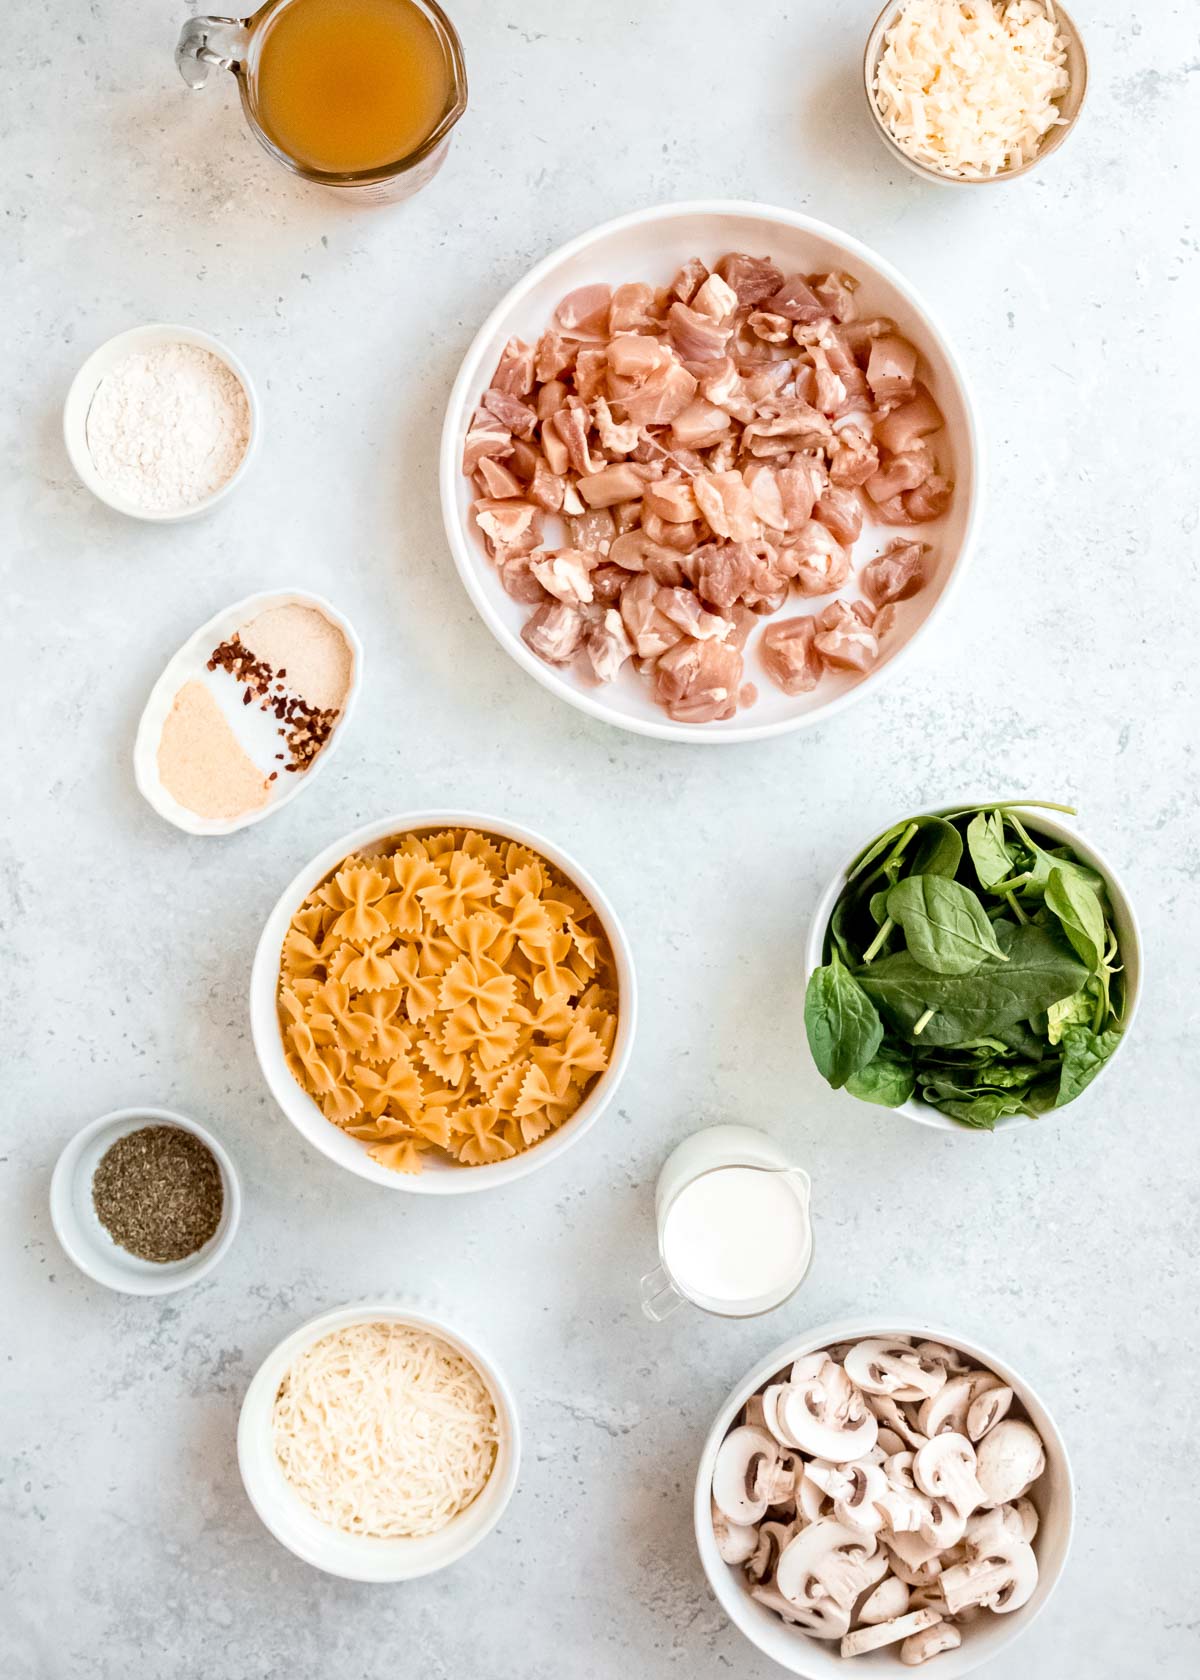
x: 651, y: 245
x: 190, y: 663
x: 356, y: 1557
x: 1070, y: 105
x: 83, y: 389
x: 88, y: 1244
x: 438, y: 1177
x: 1124, y: 922
x: 983, y: 1640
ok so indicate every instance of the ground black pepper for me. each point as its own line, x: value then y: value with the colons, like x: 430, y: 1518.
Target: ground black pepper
x: 158, y: 1193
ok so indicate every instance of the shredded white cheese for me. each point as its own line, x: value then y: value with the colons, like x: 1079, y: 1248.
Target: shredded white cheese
x: 968, y: 87
x: 384, y: 1430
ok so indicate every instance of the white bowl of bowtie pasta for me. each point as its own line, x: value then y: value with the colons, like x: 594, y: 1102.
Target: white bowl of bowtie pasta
x: 443, y: 1002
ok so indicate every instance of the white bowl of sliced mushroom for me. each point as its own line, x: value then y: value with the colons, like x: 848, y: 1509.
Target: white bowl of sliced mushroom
x: 883, y: 1498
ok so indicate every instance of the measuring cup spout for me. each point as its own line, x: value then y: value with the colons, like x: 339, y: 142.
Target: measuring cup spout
x: 206, y: 43
x: 660, y: 1298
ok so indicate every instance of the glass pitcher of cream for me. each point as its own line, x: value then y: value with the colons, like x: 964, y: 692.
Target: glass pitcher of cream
x: 734, y: 1232
x: 357, y: 95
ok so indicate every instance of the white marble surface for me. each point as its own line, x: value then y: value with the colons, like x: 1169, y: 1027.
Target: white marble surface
x: 1066, y: 667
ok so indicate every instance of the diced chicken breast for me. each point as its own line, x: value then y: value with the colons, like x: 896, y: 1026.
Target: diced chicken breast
x: 843, y: 641
x: 583, y: 313
x: 821, y: 563
x: 649, y: 631
x: 612, y: 484
x: 607, y: 646
x: 854, y: 458
x: 904, y: 426
x: 787, y: 649
x: 631, y: 309
x: 554, y: 632
x: 511, y: 412
x: 486, y: 437
x: 841, y: 512
x: 895, y: 574
x: 754, y: 279
x: 699, y: 425
x: 891, y: 368
x: 683, y: 608
x: 726, y: 504
x: 515, y: 369
x: 565, y: 574
x: 716, y: 299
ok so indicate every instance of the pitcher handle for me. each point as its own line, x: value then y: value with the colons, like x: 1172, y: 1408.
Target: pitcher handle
x: 660, y: 1298
x: 206, y: 43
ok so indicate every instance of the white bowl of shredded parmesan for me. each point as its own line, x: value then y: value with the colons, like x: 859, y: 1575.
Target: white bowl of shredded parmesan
x: 972, y: 91
x: 379, y: 1444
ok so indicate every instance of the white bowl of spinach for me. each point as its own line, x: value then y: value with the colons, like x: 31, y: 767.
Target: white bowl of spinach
x: 975, y: 965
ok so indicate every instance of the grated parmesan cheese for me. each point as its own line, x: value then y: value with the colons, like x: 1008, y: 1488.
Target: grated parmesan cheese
x: 384, y: 1430
x: 968, y: 87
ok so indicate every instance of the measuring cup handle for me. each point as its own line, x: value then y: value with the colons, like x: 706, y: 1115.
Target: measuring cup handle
x: 208, y: 42
x: 660, y: 1298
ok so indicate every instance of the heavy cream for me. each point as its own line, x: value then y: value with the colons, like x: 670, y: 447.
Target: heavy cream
x: 737, y: 1240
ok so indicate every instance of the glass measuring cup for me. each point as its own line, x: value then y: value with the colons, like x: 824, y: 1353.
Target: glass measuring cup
x: 700, y: 1198
x: 235, y: 44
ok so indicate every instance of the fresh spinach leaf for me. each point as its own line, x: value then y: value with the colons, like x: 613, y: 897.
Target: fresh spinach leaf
x: 944, y: 923
x: 989, y: 850
x: 939, y: 849
x: 888, y: 1079
x: 1077, y: 1011
x: 1079, y: 911
x: 1084, y: 1054
x: 876, y: 849
x: 982, y: 1112
x: 843, y: 1025
x: 1035, y: 874
x: 1041, y: 968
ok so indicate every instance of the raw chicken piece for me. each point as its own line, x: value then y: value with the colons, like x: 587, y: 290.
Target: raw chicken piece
x: 688, y: 281
x: 554, y: 355
x: 554, y: 632
x: 486, y: 437
x: 787, y: 650
x: 566, y: 575
x: 552, y: 396
x: 496, y: 480
x: 672, y: 499
x: 900, y: 430
x: 891, y: 368
x: 722, y: 572
x: 683, y: 608
x: 511, y: 412
x: 821, y: 563
x: 510, y: 527
x: 650, y: 633
x: 929, y: 500
x: 517, y: 577
x: 715, y: 299
x: 721, y: 384
x: 647, y: 381
x: 591, y: 374
x: 854, y: 458
x: 766, y: 495
x: 618, y: 440
x: 607, y: 583
x: 772, y: 329
x: 742, y: 621
x: 895, y: 574
x: 860, y: 335
x: 515, y: 369
x: 594, y: 530
x: 583, y: 313
x: 667, y: 533
x: 830, y: 391
x: 617, y: 483
x: 797, y: 300
x: 700, y: 425
x: 885, y: 620
x: 843, y: 641
x: 786, y: 424
x: 546, y: 488
x: 698, y: 681
x: 607, y: 646
x: 898, y: 473
x: 636, y: 551
x: 841, y: 511
x: 836, y: 292
x: 573, y: 426
x: 524, y: 459
x: 697, y: 338
x: 726, y: 503
x: 630, y: 309
x: 801, y: 486
x: 754, y: 279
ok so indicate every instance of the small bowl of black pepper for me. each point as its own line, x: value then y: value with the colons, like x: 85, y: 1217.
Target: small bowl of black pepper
x: 145, y: 1201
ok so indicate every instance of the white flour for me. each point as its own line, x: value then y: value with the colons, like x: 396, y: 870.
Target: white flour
x: 168, y: 427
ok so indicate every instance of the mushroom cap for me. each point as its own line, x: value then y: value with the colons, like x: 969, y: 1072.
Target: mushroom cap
x: 827, y: 1560
x: 888, y: 1633
x: 822, y: 1619
x: 1010, y: 1459
x: 772, y: 1538
x: 825, y: 1416
x: 1001, y: 1575
x: 986, y: 1410
x: 888, y: 1413
x: 946, y: 1411
x: 737, y: 1486
x: 736, y: 1542
x: 882, y: 1365
x: 855, y: 1505
x: 944, y: 1468
x: 930, y: 1642
x: 885, y: 1602
x: 927, y: 1574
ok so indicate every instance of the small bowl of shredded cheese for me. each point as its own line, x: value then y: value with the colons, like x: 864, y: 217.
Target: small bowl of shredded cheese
x: 379, y: 1444
x: 973, y: 91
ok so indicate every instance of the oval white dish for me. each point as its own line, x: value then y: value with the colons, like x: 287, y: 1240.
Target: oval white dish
x: 86, y: 1242
x: 1124, y: 921
x: 815, y: 1659
x: 357, y: 1557
x: 651, y: 245
x: 83, y: 389
x: 438, y: 1177
x: 256, y: 730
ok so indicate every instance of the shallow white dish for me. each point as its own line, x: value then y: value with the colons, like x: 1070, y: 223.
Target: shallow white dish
x: 88, y: 1244
x: 1124, y: 922
x: 257, y: 731
x: 651, y: 245
x: 85, y: 384
x: 984, y: 1639
x: 438, y: 1177
x: 356, y: 1557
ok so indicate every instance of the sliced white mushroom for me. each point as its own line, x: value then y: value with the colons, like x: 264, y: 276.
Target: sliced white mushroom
x: 914, y: 1550
x: 827, y: 1560
x: 885, y: 1602
x: 826, y: 1416
x: 930, y: 1642
x: 822, y: 1619
x: 752, y: 1412
x: 772, y: 1538
x: 888, y: 1366
x: 944, y: 1468
x: 986, y: 1411
x: 889, y: 1415
x: 736, y: 1542
x: 773, y: 1599
x: 1001, y: 1576
x: 746, y: 1455
x: 888, y: 1442
x: 810, y: 1499
x: 947, y: 1411
x: 1027, y: 1513
x: 939, y: 1354
x: 1010, y: 1460
x: 887, y: 1633
x: 927, y: 1575
x: 944, y: 1527
x: 777, y: 1481
x: 855, y: 1506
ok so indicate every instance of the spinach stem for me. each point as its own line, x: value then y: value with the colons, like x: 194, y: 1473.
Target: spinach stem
x: 876, y: 944
x: 923, y: 1022
x: 892, y: 856
x: 1016, y: 909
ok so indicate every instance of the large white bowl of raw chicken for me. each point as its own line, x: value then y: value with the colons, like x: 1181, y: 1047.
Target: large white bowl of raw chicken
x: 873, y: 1500
x: 709, y: 470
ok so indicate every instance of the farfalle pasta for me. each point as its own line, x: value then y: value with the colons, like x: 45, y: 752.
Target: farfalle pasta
x: 450, y: 992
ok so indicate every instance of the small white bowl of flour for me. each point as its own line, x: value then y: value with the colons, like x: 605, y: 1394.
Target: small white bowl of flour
x: 161, y: 423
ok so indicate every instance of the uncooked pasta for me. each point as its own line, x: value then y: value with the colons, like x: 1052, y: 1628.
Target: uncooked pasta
x: 384, y: 1430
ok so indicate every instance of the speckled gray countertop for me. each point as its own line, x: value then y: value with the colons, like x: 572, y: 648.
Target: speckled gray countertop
x: 1066, y: 667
